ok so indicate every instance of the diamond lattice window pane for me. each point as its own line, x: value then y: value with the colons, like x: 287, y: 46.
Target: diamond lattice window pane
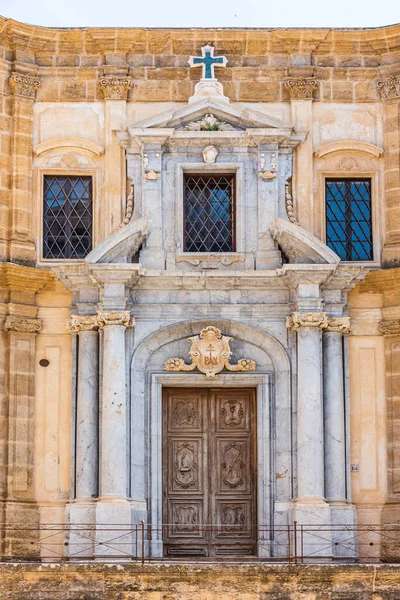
x: 67, y: 216
x: 209, y: 213
x: 349, y: 218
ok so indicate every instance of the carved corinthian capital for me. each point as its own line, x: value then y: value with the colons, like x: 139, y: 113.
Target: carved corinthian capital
x: 390, y: 327
x: 24, y: 85
x: 79, y: 323
x: 115, y: 88
x: 311, y: 319
x: 389, y: 87
x: 339, y: 324
x: 122, y: 317
x: 21, y: 325
x: 301, y: 88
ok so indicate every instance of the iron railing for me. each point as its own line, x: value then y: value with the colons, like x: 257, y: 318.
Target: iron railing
x: 289, y: 544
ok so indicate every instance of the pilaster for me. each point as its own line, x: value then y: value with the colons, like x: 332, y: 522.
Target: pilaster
x: 115, y: 87
x: 389, y: 89
x: 24, y: 87
x: 301, y: 91
x: 310, y: 507
x: 82, y: 510
x: 113, y: 505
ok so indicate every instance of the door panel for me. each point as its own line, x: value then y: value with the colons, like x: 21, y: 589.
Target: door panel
x: 209, y: 472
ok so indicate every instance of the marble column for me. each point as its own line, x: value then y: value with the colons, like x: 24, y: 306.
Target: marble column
x: 113, y: 507
x: 82, y: 509
x: 342, y: 512
x: 334, y: 413
x: 310, y: 507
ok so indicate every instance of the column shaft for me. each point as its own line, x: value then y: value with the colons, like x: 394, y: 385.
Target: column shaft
x: 87, y: 416
x: 334, y: 417
x: 310, y: 446
x: 113, y: 431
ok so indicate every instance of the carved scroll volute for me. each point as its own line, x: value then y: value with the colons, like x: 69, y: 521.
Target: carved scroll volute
x: 210, y: 353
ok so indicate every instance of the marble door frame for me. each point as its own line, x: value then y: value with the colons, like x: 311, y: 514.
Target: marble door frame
x: 265, y: 441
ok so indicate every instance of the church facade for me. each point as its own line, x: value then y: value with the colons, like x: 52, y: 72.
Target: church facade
x: 200, y: 291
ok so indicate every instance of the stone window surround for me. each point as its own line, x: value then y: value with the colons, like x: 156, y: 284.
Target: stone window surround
x: 40, y: 172
x: 375, y: 195
x: 240, y: 214
x: 260, y: 381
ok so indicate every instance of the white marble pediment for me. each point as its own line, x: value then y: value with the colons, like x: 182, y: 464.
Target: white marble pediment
x: 300, y: 246
x: 239, y: 117
x: 122, y: 245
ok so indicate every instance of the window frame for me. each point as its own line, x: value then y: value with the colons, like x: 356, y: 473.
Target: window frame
x: 376, y: 208
x: 40, y: 174
x: 239, y: 217
x: 352, y: 179
x: 203, y: 174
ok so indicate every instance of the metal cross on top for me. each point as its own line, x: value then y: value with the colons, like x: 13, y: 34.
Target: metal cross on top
x: 208, y: 62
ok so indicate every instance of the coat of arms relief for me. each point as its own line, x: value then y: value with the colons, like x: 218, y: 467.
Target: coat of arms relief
x: 210, y: 353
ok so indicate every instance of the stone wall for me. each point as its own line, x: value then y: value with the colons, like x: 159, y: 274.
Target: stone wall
x: 199, y: 582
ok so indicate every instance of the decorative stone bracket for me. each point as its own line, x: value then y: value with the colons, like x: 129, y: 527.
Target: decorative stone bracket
x: 24, y: 85
x: 319, y: 319
x: 115, y: 88
x: 22, y: 325
x: 79, y: 323
x: 389, y: 87
x: 301, y: 88
x: 310, y: 319
x: 210, y: 353
x: 390, y: 327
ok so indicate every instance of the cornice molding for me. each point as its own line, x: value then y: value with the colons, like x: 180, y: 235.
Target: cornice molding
x: 115, y: 88
x: 301, y: 88
x: 20, y: 278
x: 70, y: 144
x: 25, y: 86
x: 22, y: 325
x: 349, y: 145
x: 307, y: 319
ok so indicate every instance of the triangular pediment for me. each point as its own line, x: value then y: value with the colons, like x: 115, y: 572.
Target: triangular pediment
x: 239, y: 117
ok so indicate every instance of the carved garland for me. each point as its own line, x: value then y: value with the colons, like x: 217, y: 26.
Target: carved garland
x: 210, y: 353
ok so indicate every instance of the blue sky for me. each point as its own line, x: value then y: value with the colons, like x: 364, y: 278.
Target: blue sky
x: 216, y: 13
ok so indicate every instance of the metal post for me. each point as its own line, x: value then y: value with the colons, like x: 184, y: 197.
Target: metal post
x: 289, y: 548
x: 142, y: 524
x: 295, y: 541
x: 302, y: 544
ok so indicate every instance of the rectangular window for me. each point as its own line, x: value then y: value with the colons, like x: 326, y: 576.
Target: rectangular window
x: 67, y: 216
x: 349, y: 218
x: 209, y: 205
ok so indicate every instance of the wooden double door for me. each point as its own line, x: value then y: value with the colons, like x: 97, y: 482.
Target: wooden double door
x: 209, y: 472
